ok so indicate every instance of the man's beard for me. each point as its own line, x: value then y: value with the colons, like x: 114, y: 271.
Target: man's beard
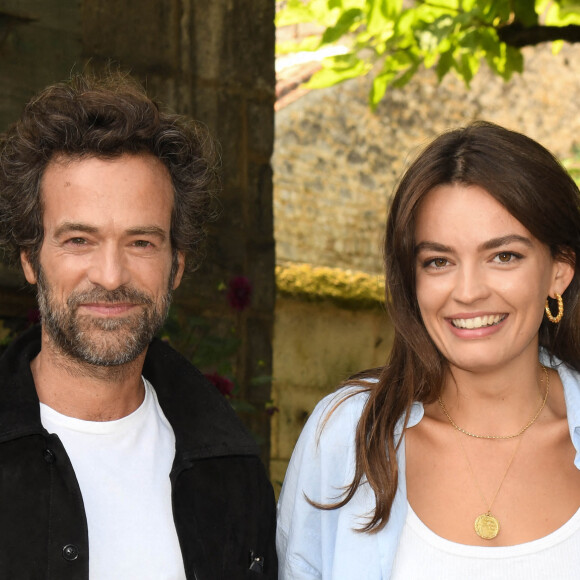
x: 99, y: 341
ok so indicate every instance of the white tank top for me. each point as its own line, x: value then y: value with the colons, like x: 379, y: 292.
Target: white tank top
x: 123, y: 470
x: 422, y: 554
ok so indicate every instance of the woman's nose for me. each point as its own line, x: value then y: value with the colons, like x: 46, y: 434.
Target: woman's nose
x: 471, y: 285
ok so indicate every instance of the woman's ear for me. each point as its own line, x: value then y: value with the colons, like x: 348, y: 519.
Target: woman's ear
x: 29, y: 271
x: 563, y: 272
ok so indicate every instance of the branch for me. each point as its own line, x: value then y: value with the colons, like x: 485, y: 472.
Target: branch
x: 518, y: 35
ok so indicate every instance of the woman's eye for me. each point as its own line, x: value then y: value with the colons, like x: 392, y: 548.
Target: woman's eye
x: 437, y: 262
x: 505, y: 257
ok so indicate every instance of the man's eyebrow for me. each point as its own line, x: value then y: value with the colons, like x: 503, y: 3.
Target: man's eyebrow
x: 68, y: 227
x: 147, y: 231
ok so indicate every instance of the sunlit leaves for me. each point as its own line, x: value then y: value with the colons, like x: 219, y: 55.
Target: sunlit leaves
x: 344, y: 24
x: 563, y: 13
x: 394, y: 40
x: 397, y: 70
x: 308, y: 44
x: 525, y: 12
x: 336, y: 69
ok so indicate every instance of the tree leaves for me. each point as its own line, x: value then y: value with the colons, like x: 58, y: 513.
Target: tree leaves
x: 393, y: 41
x: 344, y: 24
x: 336, y: 69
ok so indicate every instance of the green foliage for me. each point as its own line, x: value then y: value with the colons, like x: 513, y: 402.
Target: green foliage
x: 195, y: 338
x: 5, y: 335
x: 392, y: 41
x: 562, y: 13
x: 10, y: 328
x: 572, y: 164
x: 213, y: 352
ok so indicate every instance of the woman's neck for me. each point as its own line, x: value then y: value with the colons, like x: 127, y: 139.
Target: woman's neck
x: 497, y: 402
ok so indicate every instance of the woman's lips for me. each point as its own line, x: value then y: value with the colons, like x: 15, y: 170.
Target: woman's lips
x: 477, y: 322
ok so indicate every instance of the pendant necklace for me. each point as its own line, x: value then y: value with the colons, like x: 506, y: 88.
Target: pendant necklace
x: 486, y: 525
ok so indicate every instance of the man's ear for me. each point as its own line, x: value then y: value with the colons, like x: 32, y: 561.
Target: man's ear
x: 29, y: 271
x: 180, y: 269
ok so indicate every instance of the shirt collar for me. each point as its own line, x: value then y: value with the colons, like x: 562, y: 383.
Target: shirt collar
x: 571, y: 382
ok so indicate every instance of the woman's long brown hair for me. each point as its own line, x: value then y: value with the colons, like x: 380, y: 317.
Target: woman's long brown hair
x: 532, y: 185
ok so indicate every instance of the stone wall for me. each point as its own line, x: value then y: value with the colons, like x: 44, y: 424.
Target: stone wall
x: 316, y: 346
x: 336, y: 163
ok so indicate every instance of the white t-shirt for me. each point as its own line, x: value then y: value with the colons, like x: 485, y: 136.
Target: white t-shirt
x: 123, y: 470
x: 423, y: 555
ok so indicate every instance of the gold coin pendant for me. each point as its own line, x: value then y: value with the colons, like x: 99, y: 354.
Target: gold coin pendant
x: 486, y: 526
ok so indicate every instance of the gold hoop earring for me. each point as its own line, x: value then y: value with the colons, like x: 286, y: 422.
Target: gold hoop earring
x: 558, y: 317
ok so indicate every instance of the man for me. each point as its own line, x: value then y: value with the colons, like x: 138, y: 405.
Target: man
x: 117, y: 459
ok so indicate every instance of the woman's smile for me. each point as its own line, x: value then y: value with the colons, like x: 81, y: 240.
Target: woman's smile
x: 478, y: 321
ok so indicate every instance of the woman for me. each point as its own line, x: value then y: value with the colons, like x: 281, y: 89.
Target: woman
x: 459, y: 458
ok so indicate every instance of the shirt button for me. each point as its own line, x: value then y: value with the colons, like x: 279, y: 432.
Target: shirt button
x: 49, y: 456
x: 70, y: 552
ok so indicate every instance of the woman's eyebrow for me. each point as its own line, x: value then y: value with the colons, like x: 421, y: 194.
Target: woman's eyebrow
x: 504, y: 240
x: 428, y: 246
x: 432, y: 247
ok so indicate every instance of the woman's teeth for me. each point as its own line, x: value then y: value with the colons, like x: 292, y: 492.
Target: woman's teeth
x: 478, y: 321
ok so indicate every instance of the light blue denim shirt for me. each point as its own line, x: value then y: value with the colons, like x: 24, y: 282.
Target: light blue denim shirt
x: 314, y: 543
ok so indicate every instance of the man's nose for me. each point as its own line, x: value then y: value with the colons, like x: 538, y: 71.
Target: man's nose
x: 108, y: 267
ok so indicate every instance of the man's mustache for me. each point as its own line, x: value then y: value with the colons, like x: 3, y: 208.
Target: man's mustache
x: 119, y: 295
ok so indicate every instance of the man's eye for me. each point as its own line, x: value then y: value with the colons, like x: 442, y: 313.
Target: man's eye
x: 77, y: 241
x: 142, y: 244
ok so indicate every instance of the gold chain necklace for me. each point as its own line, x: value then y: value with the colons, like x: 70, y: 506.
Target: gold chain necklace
x: 486, y: 525
x: 520, y: 432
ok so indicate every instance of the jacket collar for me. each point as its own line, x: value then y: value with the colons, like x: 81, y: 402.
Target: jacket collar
x: 204, y: 423
x: 19, y: 407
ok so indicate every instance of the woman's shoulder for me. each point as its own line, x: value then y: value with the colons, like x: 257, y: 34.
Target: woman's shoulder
x: 323, y: 461
x: 338, y: 413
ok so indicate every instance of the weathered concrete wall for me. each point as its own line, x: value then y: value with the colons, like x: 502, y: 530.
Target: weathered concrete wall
x: 212, y: 60
x: 336, y: 163
x: 316, y: 346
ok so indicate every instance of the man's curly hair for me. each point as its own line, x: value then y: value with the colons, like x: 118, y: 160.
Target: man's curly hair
x: 102, y: 117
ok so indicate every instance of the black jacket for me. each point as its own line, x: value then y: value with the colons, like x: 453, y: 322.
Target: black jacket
x: 223, y: 503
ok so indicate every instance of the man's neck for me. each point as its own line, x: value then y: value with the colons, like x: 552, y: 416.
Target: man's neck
x: 85, y: 391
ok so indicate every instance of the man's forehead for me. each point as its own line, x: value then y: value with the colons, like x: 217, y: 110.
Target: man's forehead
x: 134, y: 190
